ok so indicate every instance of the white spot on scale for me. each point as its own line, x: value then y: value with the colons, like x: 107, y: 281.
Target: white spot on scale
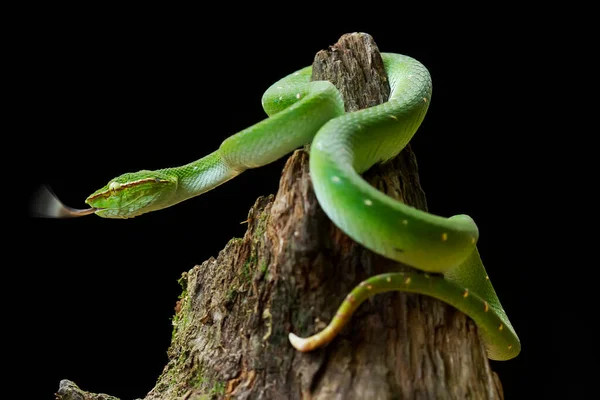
x: 368, y: 202
x: 335, y: 178
x: 195, y: 168
x: 298, y: 95
x: 280, y: 98
x: 279, y: 87
x: 296, y: 73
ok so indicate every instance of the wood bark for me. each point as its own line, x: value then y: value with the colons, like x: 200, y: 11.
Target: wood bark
x: 291, y: 271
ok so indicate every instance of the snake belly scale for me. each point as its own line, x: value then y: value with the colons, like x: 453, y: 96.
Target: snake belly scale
x: 343, y: 146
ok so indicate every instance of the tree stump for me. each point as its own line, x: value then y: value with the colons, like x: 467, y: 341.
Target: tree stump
x: 291, y: 271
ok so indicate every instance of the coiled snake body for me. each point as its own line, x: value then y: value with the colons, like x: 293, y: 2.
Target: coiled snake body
x: 343, y: 145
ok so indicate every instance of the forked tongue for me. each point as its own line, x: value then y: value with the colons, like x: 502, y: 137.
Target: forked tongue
x: 45, y: 204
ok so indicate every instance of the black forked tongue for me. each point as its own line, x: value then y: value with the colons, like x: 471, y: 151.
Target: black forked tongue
x: 45, y: 204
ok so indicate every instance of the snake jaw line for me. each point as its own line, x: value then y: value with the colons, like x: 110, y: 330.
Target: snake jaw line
x: 133, y: 194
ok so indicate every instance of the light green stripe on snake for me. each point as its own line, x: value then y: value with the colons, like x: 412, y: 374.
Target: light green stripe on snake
x: 343, y: 146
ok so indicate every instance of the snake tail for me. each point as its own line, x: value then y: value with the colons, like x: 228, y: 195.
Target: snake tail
x: 494, y: 328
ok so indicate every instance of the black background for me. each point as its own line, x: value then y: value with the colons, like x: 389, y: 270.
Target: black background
x: 107, y: 91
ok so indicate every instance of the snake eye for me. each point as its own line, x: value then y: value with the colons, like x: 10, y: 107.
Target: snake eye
x: 114, y: 186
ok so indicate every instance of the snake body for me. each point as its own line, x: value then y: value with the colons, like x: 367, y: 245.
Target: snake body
x: 343, y: 145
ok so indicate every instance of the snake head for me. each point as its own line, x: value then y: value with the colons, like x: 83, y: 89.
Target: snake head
x: 133, y: 194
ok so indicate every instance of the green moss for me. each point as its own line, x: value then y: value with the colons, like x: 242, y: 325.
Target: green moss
x: 218, y: 388
x: 174, y: 370
x: 183, y: 282
x: 263, y: 267
x: 234, y: 240
x: 261, y: 224
x: 181, y: 319
x: 231, y: 295
x: 246, y: 270
x: 247, y: 267
x: 198, y: 381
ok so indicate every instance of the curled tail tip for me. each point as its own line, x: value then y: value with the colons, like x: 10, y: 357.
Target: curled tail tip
x: 299, y: 343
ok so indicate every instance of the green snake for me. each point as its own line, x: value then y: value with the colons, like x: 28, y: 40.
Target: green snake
x: 343, y: 146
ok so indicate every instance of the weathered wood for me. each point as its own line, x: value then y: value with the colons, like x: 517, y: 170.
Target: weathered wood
x: 291, y: 271
x: 68, y: 390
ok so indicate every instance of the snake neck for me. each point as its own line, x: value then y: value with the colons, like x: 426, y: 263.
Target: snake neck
x: 200, y: 176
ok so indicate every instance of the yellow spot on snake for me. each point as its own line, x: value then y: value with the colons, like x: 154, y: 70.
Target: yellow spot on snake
x: 350, y: 298
x: 404, y: 222
x: 501, y: 327
x: 407, y: 280
x: 486, y: 306
x: 368, y: 202
x: 473, y: 240
x: 510, y: 346
x: 114, y: 186
x: 389, y: 279
x: 444, y: 236
x: 487, y: 278
x: 394, y: 117
x: 466, y: 293
x: 425, y: 99
x: 369, y: 287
